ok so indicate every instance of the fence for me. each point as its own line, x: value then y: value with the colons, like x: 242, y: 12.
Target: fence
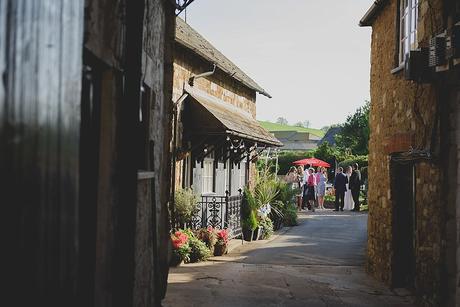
x: 219, y: 212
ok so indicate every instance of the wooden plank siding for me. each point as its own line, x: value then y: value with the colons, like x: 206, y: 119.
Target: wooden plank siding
x: 80, y: 229
x: 39, y: 140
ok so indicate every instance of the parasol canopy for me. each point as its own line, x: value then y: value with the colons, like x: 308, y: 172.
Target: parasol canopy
x: 312, y: 162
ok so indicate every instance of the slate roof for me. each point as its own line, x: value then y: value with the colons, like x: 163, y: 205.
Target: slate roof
x: 233, y: 120
x: 330, y: 136
x: 191, y: 39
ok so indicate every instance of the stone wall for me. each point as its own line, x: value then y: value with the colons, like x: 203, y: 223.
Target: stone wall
x: 403, y: 117
x: 220, y: 85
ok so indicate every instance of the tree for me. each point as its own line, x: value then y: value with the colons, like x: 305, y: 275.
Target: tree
x: 282, y: 121
x: 298, y: 124
x: 355, y: 132
x: 306, y: 123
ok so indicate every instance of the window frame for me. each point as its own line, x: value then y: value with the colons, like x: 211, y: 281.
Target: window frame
x: 207, y: 177
x: 407, y: 38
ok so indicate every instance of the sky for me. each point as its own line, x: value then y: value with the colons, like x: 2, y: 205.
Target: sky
x: 311, y: 56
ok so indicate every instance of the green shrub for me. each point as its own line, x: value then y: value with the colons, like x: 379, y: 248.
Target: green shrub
x: 267, y: 226
x: 290, y: 215
x: 248, y: 207
x: 363, y: 163
x: 198, y: 250
x: 185, y: 201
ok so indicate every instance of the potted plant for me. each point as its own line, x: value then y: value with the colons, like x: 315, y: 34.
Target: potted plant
x: 209, y: 236
x: 249, y: 226
x: 222, y: 243
x: 185, y: 201
x: 180, y: 248
x: 249, y: 219
x: 267, y: 228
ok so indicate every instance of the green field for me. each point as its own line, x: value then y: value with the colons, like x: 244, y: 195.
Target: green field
x: 272, y: 127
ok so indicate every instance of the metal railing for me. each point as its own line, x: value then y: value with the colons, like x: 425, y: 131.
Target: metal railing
x: 219, y: 212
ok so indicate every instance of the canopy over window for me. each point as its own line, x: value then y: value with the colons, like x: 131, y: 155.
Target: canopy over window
x: 208, y: 115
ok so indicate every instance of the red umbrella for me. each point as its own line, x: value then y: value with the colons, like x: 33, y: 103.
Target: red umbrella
x: 312, y: 162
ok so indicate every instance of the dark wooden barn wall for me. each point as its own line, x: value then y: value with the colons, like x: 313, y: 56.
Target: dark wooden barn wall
x: 40, y: 65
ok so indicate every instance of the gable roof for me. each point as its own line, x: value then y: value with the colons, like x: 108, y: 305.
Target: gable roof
x: 330, y: 135
x: 372, y: 13
x: 191, y: 39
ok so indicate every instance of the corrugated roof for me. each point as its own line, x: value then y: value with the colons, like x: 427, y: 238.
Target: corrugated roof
x: 235, y: 120
x: 189, y: 38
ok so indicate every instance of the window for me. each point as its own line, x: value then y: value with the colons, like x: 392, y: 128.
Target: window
x: 408, y: 17
x: 207, y: 184
x: 242, y: 175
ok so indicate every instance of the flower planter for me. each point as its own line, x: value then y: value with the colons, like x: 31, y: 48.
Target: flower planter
x: 175, y: 261
x: 248, y: 234
x: 220, y: 250
x: 257, y: 235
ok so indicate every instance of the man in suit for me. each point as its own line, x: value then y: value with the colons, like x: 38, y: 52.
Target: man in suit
x: 340, y: 187
x: 355, y: 186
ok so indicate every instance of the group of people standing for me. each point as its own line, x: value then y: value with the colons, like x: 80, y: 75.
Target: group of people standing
x: 347, y: 187
x: 312, y: 187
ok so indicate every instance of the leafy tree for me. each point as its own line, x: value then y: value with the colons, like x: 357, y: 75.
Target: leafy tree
x: 306, y: 123
x: 282, y: 121
x: 355, y: 132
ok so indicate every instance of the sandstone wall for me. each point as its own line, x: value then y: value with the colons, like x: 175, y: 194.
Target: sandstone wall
x: 402, y: 117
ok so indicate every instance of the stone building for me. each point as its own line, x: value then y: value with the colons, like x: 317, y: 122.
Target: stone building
x: 414, y: 209
x: 87, y: 199
x: 217, y: 135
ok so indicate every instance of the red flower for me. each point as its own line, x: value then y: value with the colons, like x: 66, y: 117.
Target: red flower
x: 178, y: 239
x: 222, y: 235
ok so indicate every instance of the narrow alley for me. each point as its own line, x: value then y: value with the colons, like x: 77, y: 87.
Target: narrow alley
x: 318, y: 263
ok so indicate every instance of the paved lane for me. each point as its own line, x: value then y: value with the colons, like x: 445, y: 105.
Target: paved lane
x: 319, y: 263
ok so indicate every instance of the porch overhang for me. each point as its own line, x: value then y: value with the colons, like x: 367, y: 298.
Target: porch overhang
x: 207, y: 115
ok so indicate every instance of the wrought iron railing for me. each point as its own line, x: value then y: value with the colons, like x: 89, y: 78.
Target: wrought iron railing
x: 219, y: 212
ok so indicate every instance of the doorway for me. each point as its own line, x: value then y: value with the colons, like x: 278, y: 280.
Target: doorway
x: 403, y: 195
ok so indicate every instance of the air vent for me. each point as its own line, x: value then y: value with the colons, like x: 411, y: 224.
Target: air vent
x: 453, y: 43
x: 415, y: 66
x: 437, y: 52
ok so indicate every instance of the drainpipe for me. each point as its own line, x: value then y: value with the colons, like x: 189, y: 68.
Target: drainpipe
x: 174, y: 139
x: 205, y: 74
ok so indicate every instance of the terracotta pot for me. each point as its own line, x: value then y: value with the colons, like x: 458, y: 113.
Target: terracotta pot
x: 220, y: 250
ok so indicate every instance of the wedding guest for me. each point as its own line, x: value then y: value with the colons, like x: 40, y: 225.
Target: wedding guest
x: 355, y: 186
x: 311, y: 184
x: 321, y: 179
x: 340, y: 182
x: 348, y: 202
x: 305, y: 203
x: 300, y: 186
x: 292, y: 177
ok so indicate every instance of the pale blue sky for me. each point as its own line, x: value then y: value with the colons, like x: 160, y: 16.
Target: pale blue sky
x: 311, y: 56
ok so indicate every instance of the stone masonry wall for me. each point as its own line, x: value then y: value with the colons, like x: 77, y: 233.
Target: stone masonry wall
x: 219, y: 85
x: 402, y: 117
